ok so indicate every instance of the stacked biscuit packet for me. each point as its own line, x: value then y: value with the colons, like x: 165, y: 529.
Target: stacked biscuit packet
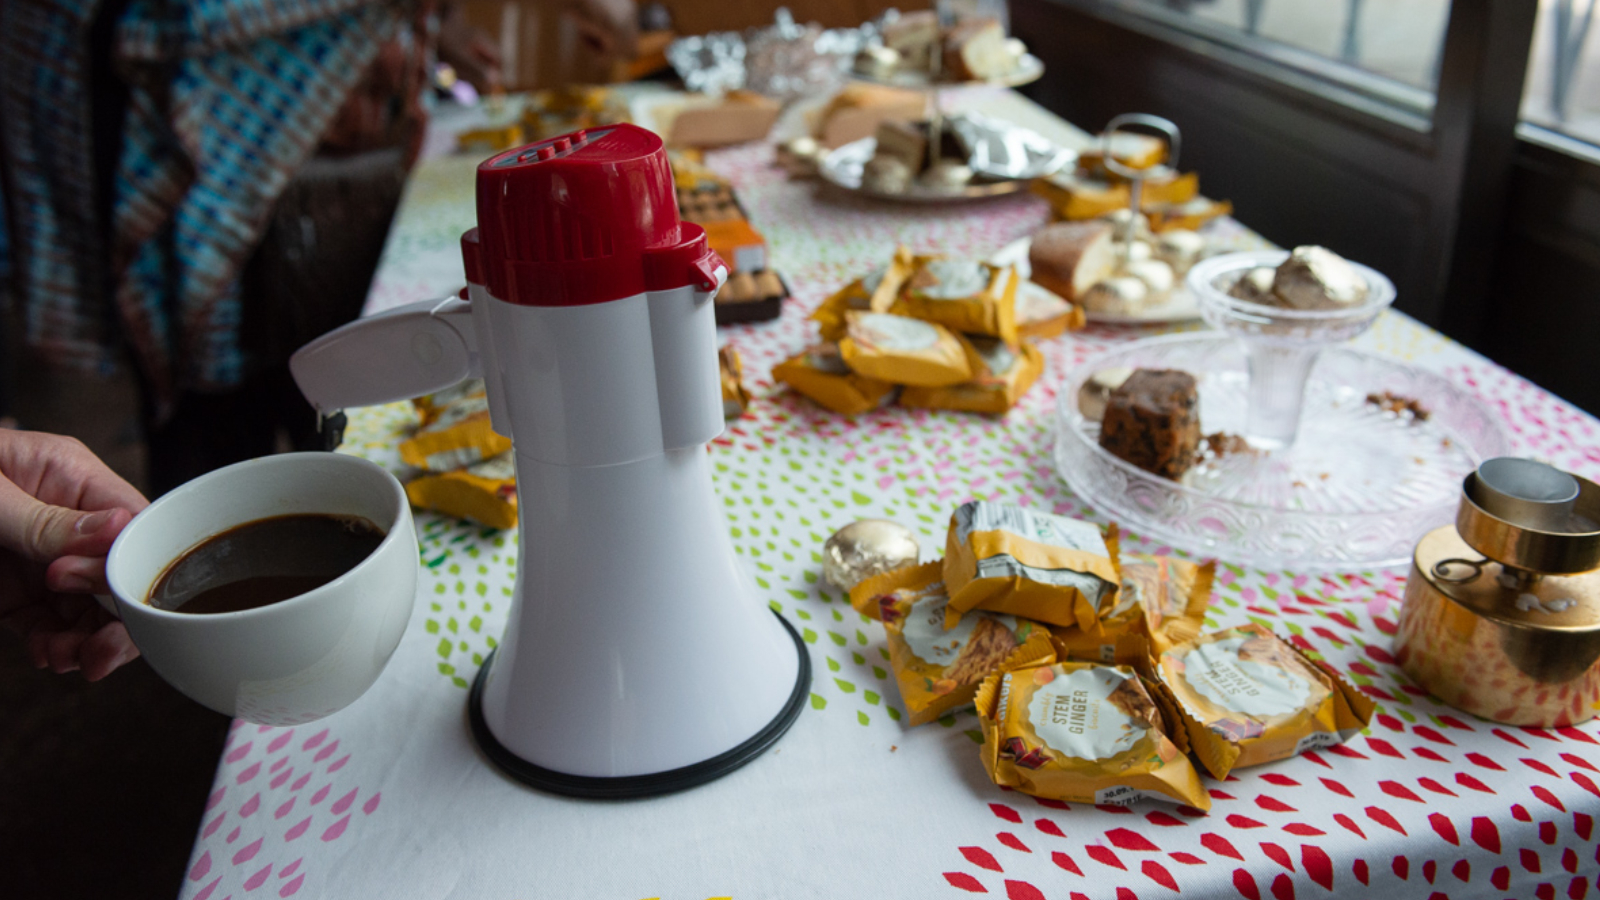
x: 1092, y: 680
x: 465, y: 466
x: 928, y: 332
x: 1171, y: 199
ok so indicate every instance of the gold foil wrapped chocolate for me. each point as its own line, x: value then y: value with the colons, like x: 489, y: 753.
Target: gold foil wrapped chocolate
x: 866, y: 548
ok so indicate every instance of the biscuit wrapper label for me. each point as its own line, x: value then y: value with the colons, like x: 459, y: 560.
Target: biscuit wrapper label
x: 1044, y: 567
x: 820, y: 374
x: 963, y: 296
x: 938, y: 670
x: 458, y: 435
x: 1084, y: 733
x: 902, y: 350
x: 1249, y: 698
x: 1006, y: 376
x: 485, y: 493
x: 874, y: 292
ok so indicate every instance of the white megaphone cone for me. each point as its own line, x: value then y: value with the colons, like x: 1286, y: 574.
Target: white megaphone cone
x: 636, y: 659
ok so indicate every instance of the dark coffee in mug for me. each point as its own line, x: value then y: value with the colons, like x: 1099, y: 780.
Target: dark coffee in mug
x: 264, y: 562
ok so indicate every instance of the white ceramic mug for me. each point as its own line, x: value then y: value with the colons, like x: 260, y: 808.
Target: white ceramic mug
x: 292, y: 661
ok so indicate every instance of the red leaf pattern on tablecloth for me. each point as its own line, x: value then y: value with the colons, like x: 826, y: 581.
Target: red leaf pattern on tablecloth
x: 1021, y: 890
x: 1103, y: 856
x: 1220, y: 845
x: 1123, y: 839
x: 1245, y: 885
x: 965, y: 882
x: 1158, y: 873
x: 1012, y: 841
x: 980, y: 858
x: 1005, y: 812
x: 1277, y: 854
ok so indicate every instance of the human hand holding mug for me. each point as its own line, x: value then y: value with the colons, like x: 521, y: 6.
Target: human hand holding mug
x: 60, y: 510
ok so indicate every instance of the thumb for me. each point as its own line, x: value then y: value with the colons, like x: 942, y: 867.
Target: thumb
x: 42, y: 532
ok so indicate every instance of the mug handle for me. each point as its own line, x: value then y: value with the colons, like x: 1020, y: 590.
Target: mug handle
x: 110, y: 604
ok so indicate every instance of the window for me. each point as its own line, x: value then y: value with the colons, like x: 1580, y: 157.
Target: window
x: 1562, y: 90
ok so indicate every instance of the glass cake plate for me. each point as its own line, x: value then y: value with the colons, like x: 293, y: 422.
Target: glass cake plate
x: 1357, y: 488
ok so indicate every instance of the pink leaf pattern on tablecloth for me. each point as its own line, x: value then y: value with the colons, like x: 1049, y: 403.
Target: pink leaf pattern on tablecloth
x: 262, y: 845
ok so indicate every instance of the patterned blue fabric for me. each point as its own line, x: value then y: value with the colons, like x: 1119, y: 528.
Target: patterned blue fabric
x: 227, y: 98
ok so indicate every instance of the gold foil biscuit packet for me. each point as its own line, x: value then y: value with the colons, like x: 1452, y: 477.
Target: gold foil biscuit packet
x: 821, y: 375
x: 1042, y: 314
x: 1006, y: 376
x: 938, y: 670
x: 1084, y: 733
x: 429, y: 406
x: 963, y: 295
x: 1025, y: 562
x: 735, y: 398
x: 1174, y: 594
x: 485, y: 493
x: 1163, y: 601
x: 458, y: 434
x: 902, y: 350
x: 1249, y: 698
x: 906, y: 583
x: 873, y: 292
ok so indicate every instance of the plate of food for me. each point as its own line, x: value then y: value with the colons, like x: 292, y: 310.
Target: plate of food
x: 1153, y: 434
x: 918, y: 52
x: 976, y: 157
x: 1116, y: 283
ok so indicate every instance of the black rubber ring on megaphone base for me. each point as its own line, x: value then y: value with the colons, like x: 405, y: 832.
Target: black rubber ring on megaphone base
x: 632, y: 786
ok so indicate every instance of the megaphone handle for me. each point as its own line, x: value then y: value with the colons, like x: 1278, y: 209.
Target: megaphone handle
x: 406, y: 352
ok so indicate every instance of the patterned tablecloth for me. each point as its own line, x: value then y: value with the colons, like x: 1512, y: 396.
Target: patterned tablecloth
x: 390, y: 798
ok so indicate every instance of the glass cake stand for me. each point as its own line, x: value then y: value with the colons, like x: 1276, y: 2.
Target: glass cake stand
x: 1357, y: 488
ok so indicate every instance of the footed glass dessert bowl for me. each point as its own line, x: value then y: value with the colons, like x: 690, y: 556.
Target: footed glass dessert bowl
x: 1280, y: 343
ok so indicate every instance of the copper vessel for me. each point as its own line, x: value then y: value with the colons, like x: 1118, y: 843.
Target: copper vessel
x: 1501, y: 616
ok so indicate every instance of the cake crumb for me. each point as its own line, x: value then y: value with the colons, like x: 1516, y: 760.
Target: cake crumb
x: 1403, y: 407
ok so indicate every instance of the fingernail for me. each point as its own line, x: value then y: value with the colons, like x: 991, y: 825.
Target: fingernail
x: 93, y: 522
